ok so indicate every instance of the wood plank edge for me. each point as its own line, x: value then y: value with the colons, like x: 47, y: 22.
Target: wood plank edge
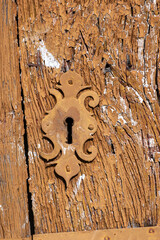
x: 29, y: 238
x: 142, y: 233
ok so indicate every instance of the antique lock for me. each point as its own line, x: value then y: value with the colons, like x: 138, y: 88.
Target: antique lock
x: 69, y: 125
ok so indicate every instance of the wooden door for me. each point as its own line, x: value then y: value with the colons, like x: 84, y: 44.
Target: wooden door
x: 114, y: 47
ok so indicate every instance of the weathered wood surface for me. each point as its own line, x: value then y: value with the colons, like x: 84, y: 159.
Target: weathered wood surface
x: 14, y: 219
x: 115, y: 48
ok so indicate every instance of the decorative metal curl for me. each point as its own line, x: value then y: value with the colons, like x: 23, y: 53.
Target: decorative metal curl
x: 70, y: 98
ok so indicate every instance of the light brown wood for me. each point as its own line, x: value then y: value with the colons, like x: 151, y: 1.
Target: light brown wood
x: 29, y: 238
x: 14, y: 219
x: 146, y: 233
x: 114, y: 47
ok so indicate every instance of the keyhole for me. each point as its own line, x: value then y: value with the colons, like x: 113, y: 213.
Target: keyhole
x: 69, y: 123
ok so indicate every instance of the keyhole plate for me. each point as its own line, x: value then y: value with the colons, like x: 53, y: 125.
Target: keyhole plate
x: 69, y: 125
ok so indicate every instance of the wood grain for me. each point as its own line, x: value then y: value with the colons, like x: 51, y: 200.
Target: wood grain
x: 115, y: 48
x: 14, y: 219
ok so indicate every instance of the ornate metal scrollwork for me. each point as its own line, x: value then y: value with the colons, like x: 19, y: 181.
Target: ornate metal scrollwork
x: 69, y: 125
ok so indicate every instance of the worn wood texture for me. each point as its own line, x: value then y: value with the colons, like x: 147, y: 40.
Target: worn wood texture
x: 114, y: 46
x: 14, y: 220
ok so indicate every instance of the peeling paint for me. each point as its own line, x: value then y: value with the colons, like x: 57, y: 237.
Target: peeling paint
x: 78, y: 183
x: 48, y: 58
x: 151, y: 142
x: 137, y: 94
x: 64, y: 149
x: 1, y: 208
x: 134, y: 123
x: 120, y: 117
x: 123, y: 104
x: 140, y: 49
x: 30, y: 155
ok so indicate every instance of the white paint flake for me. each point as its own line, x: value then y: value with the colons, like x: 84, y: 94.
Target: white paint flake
x: 47, y: 57
x: 23, y: 226
x: 137, y: 94
x: 120, y: 117
x: 30, y: 155
x: 140, y: 49
x: 83, y: 216
x: 78, y: 183
x: 51, y: 200
x: 104, y: 109
x: 151, y: 142
x: 112, y: 109
x: 20, y: 154
x: 123, y: 104
x: 144, y: 81
x: 134, y: 123
x: 148, y: 6
x: 20, y: 148
x: 1, y: 208
x: 105, y: 91
x: 152, y: 76
x: 64, y: 149
x: 35, y: 154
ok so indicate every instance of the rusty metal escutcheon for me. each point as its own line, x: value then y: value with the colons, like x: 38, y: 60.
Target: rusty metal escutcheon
x: 69, y: 125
